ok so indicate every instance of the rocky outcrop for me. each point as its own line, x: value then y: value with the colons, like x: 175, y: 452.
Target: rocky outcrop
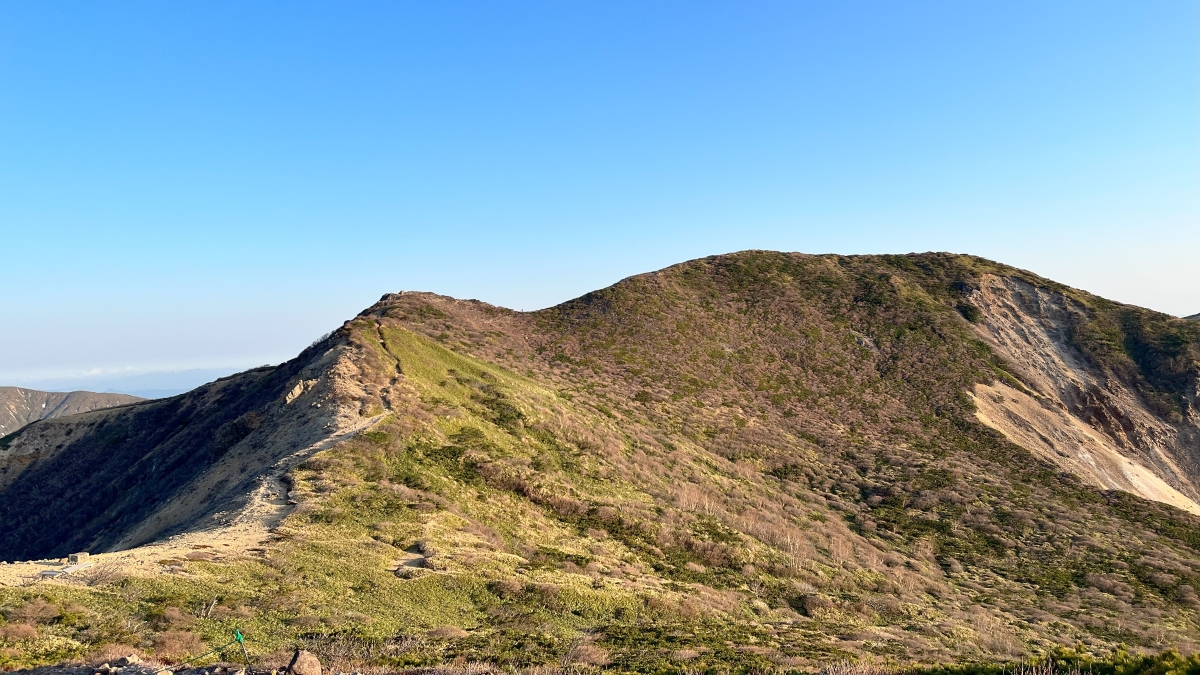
x: 304, y: 663
x: 1071, y: 411
x: 19, y: 406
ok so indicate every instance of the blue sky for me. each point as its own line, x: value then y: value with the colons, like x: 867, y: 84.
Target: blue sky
x: 206, y: 186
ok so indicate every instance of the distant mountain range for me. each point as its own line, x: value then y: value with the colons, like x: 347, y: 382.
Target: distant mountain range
x: 153, y: 384
x: 755, y: 462
x: 1194, y: 317
x: 19, y: 406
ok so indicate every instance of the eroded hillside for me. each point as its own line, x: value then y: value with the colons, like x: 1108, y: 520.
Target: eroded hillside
x: 1088, y: 414
x: 751, y: 461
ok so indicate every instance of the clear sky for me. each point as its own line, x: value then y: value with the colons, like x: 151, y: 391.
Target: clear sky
x: 212, y: 185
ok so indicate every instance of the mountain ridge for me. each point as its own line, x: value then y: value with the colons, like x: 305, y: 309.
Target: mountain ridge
x: 817, y: 457
x: 20, y: 406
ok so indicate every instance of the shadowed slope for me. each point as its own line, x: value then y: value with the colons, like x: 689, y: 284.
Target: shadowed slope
x: 125, y: 476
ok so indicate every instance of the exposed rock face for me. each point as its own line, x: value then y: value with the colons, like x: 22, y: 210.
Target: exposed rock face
x: 1089, y: 421
x: 19, y: 406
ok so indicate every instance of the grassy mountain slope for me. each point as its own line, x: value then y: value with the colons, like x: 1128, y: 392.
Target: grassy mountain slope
x: 751, y: 461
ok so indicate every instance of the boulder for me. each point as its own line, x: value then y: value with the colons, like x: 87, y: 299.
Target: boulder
x: 304, y: 663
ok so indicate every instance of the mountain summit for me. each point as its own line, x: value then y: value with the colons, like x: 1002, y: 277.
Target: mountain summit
x: 755, y: 460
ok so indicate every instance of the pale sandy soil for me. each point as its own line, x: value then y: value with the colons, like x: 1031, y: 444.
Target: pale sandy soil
x: 1068, y: 442
x: 1093, y: 426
